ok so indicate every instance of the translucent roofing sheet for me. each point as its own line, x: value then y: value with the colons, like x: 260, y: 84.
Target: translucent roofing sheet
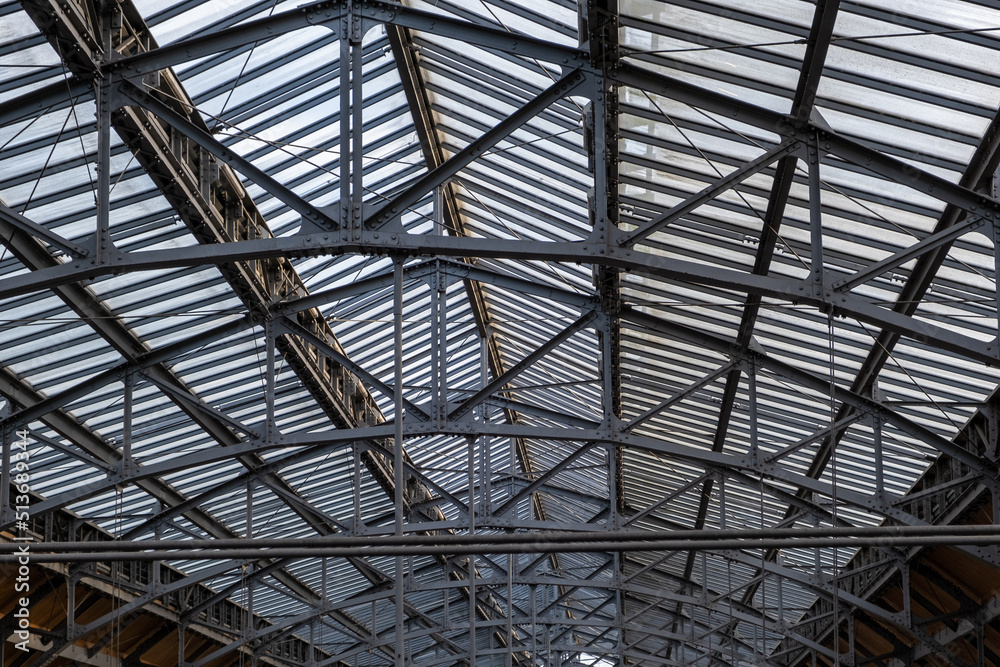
x: 910, y: 81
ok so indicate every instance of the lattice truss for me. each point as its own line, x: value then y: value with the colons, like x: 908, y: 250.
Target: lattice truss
x: 500, y: 332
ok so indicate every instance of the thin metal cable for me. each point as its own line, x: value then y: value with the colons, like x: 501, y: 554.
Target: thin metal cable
x: 25, y: 128
x: 833, y: 486
x: 721, y: 175
x: 45, y: 166
x: 67, y: 75
x: 236, y: 82
x: 912, y: 379
x: 804, y: 41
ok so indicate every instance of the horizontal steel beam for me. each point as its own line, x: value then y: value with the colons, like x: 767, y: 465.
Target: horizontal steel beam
x: 40, y: 232
x: 330, y: 440
x: 518, y: 542
x: 932, y: 242
x: 827, y: 141
x: 717, y: 188
x: 796, y: 291
x: 331, y: 13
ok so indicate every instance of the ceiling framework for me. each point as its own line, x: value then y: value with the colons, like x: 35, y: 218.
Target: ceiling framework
x: 477, y: 333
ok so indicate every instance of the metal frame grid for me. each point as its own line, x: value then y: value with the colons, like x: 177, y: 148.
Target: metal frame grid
x: 531, y: 333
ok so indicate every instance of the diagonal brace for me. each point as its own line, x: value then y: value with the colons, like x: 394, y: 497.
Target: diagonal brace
x: 197, y: 404
x: 287, y: 325
x: 541, y: 480
x: 695, y: 387
x: 711, y: 192
x: 443, y: 172
x: 178, y: 121
x: 40, y: 232
x: 932, y: 242
x: 522, y: 365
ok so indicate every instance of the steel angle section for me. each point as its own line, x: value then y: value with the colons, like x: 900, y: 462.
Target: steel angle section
x: 450, y: 167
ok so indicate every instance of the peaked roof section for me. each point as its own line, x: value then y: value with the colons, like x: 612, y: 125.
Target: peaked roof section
x: 615, y: 269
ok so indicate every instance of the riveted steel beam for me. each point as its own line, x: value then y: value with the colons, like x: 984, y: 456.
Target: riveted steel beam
x: 796, y: 291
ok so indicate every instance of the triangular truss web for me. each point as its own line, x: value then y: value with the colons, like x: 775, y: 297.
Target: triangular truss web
x: 499, y: 332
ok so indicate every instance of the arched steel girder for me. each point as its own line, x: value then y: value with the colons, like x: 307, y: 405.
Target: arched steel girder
x: 492, y: 38
x: 565, y: 625
x: 727, y: 606
x: 569, y: 298
x: 634, y: 261
x: 344, y: 438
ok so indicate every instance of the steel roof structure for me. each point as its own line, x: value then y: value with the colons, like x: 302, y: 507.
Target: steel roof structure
x: 499, y: 332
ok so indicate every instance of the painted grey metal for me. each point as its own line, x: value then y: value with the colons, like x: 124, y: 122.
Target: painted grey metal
x: 574, y: 417
x: 794, y: 290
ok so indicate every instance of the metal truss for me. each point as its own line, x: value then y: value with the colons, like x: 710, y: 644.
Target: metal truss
x: 565, y: 579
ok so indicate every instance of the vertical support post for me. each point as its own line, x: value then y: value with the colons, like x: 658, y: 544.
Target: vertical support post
x: 704, y: 576
x: 435, y: 351
x: 471, y: 442
x: 780, y: 581
x: 472, y: 608
x: 548, y: 637
x: 754, y: 441
x: 445, y: 606
x: 722, y: 502
x: 472, y: 558
x: 815, y: 218
x: 248, y: 627
x: 835, y: 574
x: 269, y: 382
x: 156, y: 579
x: 879, y: 469
x: 850, y: 638
x: 323, y: 580
x: 129, y: 382
x: 181, y: 641
x: 510, y: 611
x: 102, y: 232
x: 6, y: 510
x: 608, y: 394
x: 904, y: 570
x: 397, y: 448
x: 995, y: 228
x: 993, y: 430
x: 996, y: 505
x: 356, y: 447
x: 534, y: 623
x: 439, y: 229
x: 599, y: 33
x: 346, y: 217
x: 485, y: 458
x: 357, y: 121
x: 311, y: 660
x: 609, y: 386
x: 442, y: 290
x: 980, y: 643
x: 71, y: 605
